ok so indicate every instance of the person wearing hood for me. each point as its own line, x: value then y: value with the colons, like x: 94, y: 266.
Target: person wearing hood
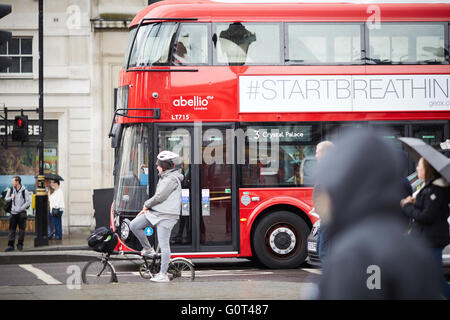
x: 359, y: 201
x: 21, y: 201
x: 162, y: 210
x: 428, y: 213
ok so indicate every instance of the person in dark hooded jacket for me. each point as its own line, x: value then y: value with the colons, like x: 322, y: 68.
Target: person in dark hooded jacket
x: 429, y: 212
x: 371, y: 256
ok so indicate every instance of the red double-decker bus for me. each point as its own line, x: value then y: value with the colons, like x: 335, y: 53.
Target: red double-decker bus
x: 245, y: 91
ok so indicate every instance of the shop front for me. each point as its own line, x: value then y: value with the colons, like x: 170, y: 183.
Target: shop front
x: 22, y: 160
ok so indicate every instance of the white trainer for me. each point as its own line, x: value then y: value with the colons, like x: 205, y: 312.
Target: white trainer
x: 150, y: 253
x: 160, y: 277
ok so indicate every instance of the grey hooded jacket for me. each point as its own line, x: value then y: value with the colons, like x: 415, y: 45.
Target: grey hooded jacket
x: 167, y: 197
x: 19, y: 203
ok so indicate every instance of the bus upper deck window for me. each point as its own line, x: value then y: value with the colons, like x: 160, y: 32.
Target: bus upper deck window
x: 406, y: 43
x: 248, y: 43
x: 191, y: 47
x: 152, y: 44
x: 315, y: 43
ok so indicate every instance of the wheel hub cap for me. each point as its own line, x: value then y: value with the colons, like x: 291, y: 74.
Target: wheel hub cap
x: 282, y: 240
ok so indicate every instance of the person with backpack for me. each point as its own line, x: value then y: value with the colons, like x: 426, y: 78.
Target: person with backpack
x: 20, y: 201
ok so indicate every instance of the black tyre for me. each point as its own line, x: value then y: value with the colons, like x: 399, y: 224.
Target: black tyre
x: 279, y: 240
x: 145, y: 272
x: 98, y: 271
x: 181, y: 270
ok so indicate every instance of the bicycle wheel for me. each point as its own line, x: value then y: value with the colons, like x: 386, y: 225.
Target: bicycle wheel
x: 181, y: 270
x: 145, y: 270
x: 98, y: 271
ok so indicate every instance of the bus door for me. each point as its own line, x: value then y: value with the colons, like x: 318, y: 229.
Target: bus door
x: 217, y: 189
x: 207, y: 220
x: 392, y: 131
x: 432, y: 133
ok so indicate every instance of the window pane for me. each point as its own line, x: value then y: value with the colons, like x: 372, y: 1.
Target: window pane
x: 324, y: 43
x: 192, y: 45
x: 26, y: 46
x: 130, y: 41
x: 407, y: 43
x: 27, y: 64
x: 248, y: 43
x: 215, y: 183
x: 433, y: 134
x: 278, y: 155
x: 13, y: 47
x: 3, y: 48
x: 132, y: 188
x: 15, y: 66
x: 153, y: 44
x: 178, y: 140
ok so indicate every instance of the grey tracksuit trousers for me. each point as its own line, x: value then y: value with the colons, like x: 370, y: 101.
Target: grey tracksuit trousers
x: 163, y: 228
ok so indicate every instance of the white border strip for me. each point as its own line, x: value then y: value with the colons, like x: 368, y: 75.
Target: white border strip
x: 202, y: 253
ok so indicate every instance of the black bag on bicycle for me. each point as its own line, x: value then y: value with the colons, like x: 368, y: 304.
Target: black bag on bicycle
x: 103, y: 240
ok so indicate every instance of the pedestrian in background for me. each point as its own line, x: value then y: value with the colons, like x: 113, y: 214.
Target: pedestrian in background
x: 21, y: 201
x: 429, y: 212
x: 50, y: 227
x: 359, y: 200
x: 56, y: 200
x: 322, y: 149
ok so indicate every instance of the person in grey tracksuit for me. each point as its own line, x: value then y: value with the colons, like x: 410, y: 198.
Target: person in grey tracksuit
x: 163, y: 211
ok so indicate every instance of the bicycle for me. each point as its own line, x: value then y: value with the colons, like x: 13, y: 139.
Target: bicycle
x: 101, y: 270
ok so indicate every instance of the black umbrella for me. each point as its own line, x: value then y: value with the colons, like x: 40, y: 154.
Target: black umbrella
x: 53, y: 176
x: 436, y: 159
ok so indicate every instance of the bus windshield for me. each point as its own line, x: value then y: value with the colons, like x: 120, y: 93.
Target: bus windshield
x: 152, y: 44
x: 132, y: 186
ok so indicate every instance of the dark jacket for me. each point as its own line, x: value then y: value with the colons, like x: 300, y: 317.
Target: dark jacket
x: 430, y: 212
x: 362, y: 177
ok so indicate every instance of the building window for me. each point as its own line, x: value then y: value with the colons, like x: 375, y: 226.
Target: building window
x: 21, y: 52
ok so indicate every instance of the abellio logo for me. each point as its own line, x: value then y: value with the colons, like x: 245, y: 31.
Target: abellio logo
x: 192, y: 101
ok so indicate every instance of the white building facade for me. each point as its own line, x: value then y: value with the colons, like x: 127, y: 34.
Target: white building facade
x: 84, y: 45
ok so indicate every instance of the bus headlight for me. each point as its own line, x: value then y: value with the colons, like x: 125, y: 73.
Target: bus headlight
x: 125, y: 229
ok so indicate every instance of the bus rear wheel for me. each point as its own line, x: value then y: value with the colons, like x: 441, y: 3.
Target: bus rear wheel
x: 279, y: 240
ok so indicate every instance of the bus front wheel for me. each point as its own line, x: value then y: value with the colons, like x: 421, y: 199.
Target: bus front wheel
x: 279, y: 240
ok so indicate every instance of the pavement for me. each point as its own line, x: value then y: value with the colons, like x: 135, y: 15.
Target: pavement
x: 73, y: 247
x: 195, y: 290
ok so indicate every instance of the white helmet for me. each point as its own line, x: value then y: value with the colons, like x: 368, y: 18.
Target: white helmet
x: 167, y: 155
